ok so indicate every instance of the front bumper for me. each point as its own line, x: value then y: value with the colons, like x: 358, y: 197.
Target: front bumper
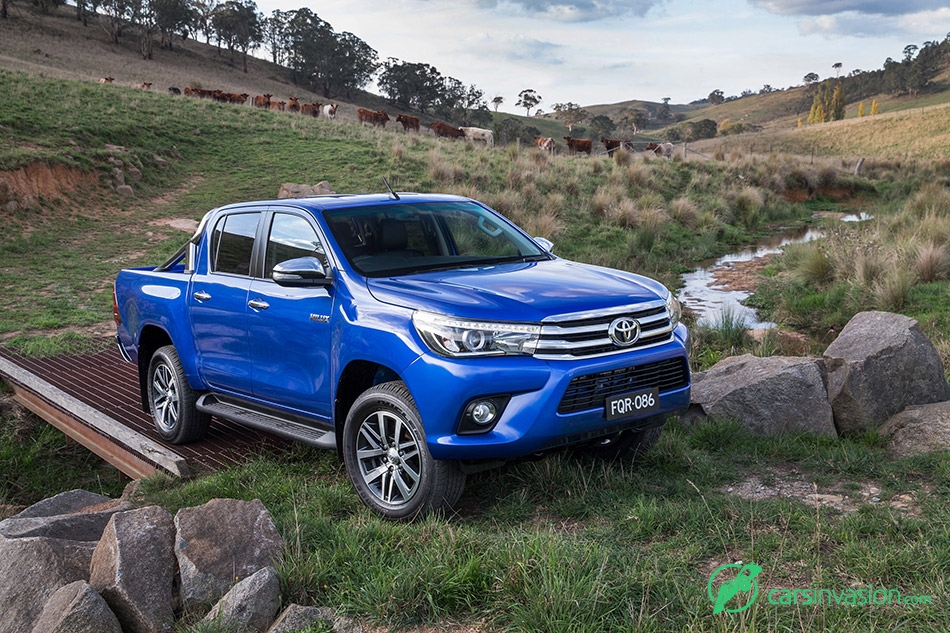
x: 541, y: 413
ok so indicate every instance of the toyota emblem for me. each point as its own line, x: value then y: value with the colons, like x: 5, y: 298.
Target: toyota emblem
x: 624, y: 331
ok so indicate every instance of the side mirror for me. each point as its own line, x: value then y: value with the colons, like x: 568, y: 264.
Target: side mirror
x: 301, y: 272
x: 544, y: 243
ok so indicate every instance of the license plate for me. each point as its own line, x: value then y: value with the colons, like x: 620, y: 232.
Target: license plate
x: 626, y: 405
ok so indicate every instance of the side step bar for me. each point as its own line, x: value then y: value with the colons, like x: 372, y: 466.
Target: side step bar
x: 208, y: 403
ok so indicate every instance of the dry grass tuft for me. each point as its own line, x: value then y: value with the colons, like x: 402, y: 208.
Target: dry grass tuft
x: 685, y: 211
x: 931, y: 262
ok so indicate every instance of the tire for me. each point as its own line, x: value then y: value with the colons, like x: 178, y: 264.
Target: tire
x: 387, y: 460
x: 627, y: 445
x: 171, y: 400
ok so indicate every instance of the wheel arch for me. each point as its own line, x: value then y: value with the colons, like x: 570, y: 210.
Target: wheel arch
x: 151, y: 338
x: 357, y: 377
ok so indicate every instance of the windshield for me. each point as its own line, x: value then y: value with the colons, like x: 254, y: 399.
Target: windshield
x: 403, y: 239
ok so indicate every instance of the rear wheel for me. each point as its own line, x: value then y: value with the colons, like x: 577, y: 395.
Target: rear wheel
x: 172, y: 401
x: 387, y: 460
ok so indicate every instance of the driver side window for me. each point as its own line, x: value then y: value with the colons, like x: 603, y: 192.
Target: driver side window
x: 291, y: 236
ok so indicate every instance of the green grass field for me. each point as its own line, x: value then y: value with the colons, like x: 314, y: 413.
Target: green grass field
x: 563, y: 544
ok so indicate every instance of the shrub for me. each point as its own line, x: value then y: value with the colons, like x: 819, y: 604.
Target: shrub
x: 931, y: 262
x: 892, y: 292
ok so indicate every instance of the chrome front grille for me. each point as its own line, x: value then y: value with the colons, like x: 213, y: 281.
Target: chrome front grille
x: 585, y: 334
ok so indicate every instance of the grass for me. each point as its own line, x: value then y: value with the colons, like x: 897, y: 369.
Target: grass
x: 567, y: 544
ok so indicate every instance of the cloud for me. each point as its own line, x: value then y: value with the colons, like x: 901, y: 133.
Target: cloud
x: 517, y: 49
x: 834, y: 7
x: 571, y: 10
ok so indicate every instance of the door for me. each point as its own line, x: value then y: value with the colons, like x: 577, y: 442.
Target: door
x: 289, y: 328
x: 218, y: 304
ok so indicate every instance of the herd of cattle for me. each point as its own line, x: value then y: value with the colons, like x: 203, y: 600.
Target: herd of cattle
x: 379, y: 118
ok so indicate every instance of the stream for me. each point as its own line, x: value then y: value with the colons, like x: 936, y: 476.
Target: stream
x: 702, y: 294
x: 708, y: 298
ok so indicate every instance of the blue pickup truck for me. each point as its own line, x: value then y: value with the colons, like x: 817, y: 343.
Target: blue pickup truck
x: 422, y: 336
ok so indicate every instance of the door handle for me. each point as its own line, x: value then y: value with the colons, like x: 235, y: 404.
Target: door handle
x: 258, y: 304
x: 201, y: 295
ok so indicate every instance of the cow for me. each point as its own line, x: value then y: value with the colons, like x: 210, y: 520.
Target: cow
x: 579, y: 145
x: 174, y: 90
x: 611, y: 144
x: 145, y: 85
x: 277, y: 106
x: 262, y: 101
x: 446, y: 130
x: 330, y: 111
x: 479, y: 134
x: 106, y: 80
x: 239, y: 99
x: 545, y: 143
x: 377, y: 118
x: 311, y: 109
x: 293, y: 105
x: 408, y: 122
x: 660, y: 149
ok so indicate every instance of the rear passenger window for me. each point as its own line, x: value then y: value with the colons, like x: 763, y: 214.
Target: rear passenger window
x: 233, y: 243
x: 291, y: 236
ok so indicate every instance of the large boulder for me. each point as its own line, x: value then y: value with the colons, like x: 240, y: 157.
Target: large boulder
x: 918, y: 430
x: 769, y: 396
x: 298, y: 618
x: 250, y: 606
x: 31, y: 570
x: 76, y: 515
x: 221, y: 542
x: 880, y: 364
x: 295, y: 190
x: 77, y: 608
x: 133, y: 567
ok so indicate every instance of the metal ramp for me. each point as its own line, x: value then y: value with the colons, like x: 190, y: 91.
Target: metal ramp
x: 94, y: 399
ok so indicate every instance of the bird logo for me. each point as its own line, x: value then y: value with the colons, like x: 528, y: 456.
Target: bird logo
x: 743, y: 582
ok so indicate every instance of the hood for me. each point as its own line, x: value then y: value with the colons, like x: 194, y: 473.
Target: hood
x: 526, y: 292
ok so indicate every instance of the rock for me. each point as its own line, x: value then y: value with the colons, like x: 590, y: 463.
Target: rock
x: 82, y: 524
x: 880, y: 364
x: 11, y: 207
x: 133, y: 567
x: 161, y: 162
x: 768, y: 396
x: 298, y: 618
x: 292, y: 190
x: 32, y: 569
x: 135, y: 173
x: 220, y: 542
x: 64, y: 503
x: 250, y: 605
x: 125, y: 190
x: 77, y: 608
x: 918, y: 430
x: 118, y: 177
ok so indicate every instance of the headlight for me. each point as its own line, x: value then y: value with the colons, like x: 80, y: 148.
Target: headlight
x: 456, y: 338
x: 673, y: 306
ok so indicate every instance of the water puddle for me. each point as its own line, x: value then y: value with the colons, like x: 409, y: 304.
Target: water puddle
x: 857, y: 217
x: 709, y: 299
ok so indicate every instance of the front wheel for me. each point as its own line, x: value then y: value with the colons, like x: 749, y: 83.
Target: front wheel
x: 172, y: 401
x: 387, y: 460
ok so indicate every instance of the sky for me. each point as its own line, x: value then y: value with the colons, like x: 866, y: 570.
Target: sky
x: 608, y: 51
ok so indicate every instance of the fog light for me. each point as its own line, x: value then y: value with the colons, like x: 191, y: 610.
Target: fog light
x: 483, y: 412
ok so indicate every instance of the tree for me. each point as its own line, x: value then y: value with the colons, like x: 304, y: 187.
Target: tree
x: 172, y: 16
x: 143, y: 16
x: 115, y: 14
x: 497, y: 101
x: 874, y: 107
x: 238, y: 25
x: 716, y: 97
x: 275, y: 34
x: 860, y: 109
x: 633, y: 119
x: 328, y: 62
x: 569, y: 113
x: 810, y: 78
x: 602, y: 125
x: 410, y: 85
x: 204, y: 11
x: 528, y: 99
x: 837, y: 66
x: 837, y: 102
x: 663, y: 111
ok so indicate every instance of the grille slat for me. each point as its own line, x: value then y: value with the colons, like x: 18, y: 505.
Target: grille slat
x: 591, y: 391
x: 584, y: 335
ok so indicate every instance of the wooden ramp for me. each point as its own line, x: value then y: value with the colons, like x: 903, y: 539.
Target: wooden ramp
x: 94, y: 399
